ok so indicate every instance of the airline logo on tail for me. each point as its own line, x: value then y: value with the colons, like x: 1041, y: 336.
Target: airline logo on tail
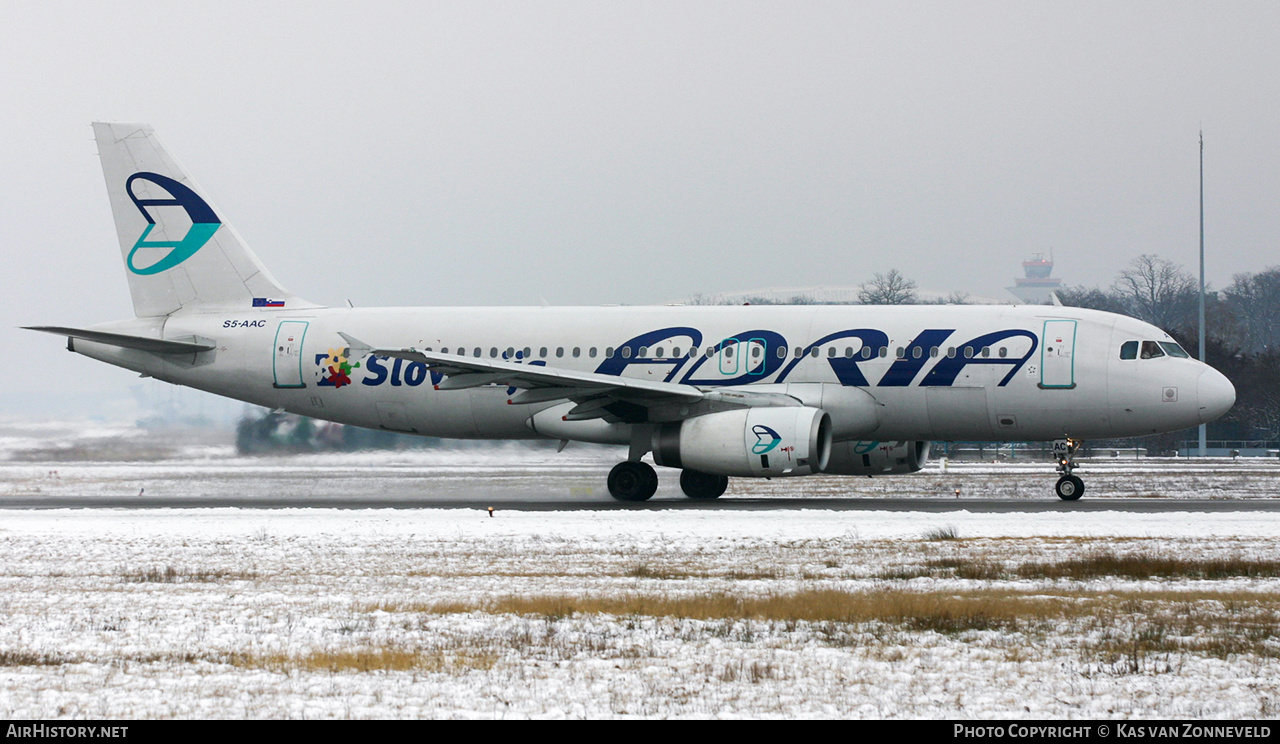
x: 204, y: 223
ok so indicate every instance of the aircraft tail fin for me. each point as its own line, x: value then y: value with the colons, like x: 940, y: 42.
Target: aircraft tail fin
x: 178, y: 252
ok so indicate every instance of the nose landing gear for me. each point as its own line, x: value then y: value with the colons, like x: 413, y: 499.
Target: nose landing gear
x: 1069, y: 487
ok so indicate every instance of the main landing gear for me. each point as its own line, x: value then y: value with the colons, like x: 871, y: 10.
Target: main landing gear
x: 1069, y: 487
x: 702, y: 486
x: 632, y: 481
x: 637, y: 481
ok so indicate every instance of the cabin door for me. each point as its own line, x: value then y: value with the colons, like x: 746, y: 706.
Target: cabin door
x: 288, y: 353
x: 1057, y: 354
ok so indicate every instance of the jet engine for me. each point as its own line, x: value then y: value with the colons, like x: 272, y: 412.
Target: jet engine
x: 767, y: 442
x: 877, y: 458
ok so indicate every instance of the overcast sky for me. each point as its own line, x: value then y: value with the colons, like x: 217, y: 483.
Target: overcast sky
x: 421, y: 153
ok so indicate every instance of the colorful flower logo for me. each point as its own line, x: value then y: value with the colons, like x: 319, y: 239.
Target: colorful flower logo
x: 338, y: 364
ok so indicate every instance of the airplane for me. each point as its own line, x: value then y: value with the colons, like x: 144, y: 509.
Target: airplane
x: 713, y: 391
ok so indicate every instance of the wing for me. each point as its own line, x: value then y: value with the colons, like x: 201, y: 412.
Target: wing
x: 610, y: 397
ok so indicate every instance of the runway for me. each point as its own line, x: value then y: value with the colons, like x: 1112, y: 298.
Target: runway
x: 541, y: 480
x: 927, y: 505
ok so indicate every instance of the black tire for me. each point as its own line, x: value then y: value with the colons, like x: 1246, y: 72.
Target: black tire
x: 632, y: 481
x: 1069, y: 488
x: 702, y: 486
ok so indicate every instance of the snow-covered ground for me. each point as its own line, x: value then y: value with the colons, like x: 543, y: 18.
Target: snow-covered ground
x: 673, y: 613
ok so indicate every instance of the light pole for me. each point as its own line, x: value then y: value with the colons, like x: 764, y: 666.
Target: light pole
x: 1203, y: 443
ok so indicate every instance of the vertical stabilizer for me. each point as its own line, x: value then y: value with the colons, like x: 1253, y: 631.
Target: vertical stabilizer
x: 179, y: 253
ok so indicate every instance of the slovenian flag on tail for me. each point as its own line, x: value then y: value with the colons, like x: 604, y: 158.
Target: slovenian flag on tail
x: 264, y: 302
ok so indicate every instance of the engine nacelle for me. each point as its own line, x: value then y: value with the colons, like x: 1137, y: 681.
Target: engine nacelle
x: 754, y: 442
x: 877, y: 458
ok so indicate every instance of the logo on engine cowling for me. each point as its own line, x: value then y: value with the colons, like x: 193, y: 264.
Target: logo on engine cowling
x: 766, y: 439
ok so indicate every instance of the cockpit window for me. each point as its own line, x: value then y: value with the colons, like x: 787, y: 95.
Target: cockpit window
x: 1129, y: 350
x: 1151, y: 350
x: 1173, y: 350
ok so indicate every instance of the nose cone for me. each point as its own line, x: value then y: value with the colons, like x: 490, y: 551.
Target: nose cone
x: 1215, y: 394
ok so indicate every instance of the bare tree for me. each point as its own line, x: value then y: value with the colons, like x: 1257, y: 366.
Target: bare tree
x: 1159, y: 292
x: 888, y: 289
x: 954, y: 297
x: 1092, y: 298
x: 1253, y: 302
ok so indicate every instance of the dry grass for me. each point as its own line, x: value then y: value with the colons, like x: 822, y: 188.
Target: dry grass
x: 176, y: 575
x: 942, y: 611
x: 1122, y: 632
x: 1098, y: 563
x: 669, y: 573
x: 390, y: 658
x: 1148, y: 565
x: 942, y: 533
x: 22, y: 658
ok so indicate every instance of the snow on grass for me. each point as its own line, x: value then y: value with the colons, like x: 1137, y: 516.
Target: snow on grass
x: 451, y: 613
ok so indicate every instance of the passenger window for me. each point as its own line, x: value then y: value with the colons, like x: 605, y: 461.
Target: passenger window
x: 1151, y: 350
x: 831, y: 351
x: 527, y: 353
x: 444, y: 349
x: 542, y: 352
x: 592, y: 352
x: 799, y: 352
x: 901, y: 353
x: 755, y: 352
x: 782, y: 352
x: 577, y: 352
x: 559, y: 352
x: 693, y: 351
x: 659, y: 353
x: 916, y: 352
x: 1003, y: 352
x: 951, y: 352
x: 477, y: 352
x: 814, y: 353
x: 626, y: 352
x: 1129, y: 350
x: 986, y: 351
x: 968, y: 352
x: 933, y: 352
x: 884, y: 351
x: 608, y: 352
x: 675, y: 352
x: 848, y: 352
x: 866, y: 352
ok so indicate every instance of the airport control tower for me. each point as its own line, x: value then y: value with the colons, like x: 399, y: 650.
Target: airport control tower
x: 1036, y: 286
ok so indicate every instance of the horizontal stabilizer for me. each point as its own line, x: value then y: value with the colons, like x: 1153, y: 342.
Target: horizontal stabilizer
x: 153, y: 345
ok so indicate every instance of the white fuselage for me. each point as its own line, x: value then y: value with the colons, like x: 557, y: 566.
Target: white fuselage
x: 944, y: 373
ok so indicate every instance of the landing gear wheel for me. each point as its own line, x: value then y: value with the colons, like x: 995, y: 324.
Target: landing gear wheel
x: 1069, y: 488
x: 632, y: 481
x: 702, y: 486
